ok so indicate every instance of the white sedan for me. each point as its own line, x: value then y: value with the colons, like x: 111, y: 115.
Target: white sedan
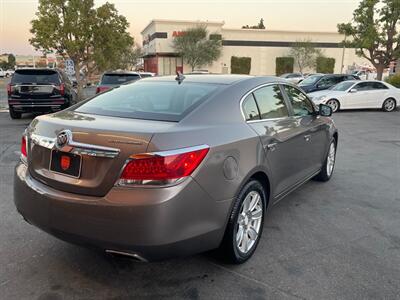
x: 354, y: 94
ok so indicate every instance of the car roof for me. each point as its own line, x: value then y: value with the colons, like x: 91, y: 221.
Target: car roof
x: 121, y: 72
x: 215, y: 78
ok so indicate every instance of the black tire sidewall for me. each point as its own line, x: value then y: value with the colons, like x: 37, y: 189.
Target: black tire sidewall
x: 383, y: 105
x: 14, y: 114
x: 238, y: 256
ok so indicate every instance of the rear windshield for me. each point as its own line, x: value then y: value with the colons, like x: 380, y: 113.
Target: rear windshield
x: 35, y: 77
x: 118, y: 78
x: 310, y: 80
x: 150, y: 100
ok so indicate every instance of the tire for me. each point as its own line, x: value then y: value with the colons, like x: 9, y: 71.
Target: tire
x: 334, y: 104
x: 327, y: 169
x: 232, y: 250
x: 14, y: 114
x: 389, y: 105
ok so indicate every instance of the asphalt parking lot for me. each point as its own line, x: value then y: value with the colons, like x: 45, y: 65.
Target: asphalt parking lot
x: 335, y: 240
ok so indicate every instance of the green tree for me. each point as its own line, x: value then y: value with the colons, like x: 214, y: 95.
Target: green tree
x: 196, y: 49
x: 260, y: 25
x: 11, y: 61
x: 374, y: 32
x: 304, y: 54
x: 92, y: 38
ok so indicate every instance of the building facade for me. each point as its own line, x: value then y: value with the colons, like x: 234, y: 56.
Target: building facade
x: 262, y: 45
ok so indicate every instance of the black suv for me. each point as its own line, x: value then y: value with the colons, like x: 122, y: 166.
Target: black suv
x: 321, y: 82
x: 39, y: 90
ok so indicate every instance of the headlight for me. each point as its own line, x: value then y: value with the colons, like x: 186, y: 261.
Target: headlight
x: 320, y: 98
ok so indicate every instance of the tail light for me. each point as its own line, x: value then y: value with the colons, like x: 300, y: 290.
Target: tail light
x: 101, y: 89
x: 24, y: 147
x: 61, y: 88
x: 162, y: 168
x: 9, y: 89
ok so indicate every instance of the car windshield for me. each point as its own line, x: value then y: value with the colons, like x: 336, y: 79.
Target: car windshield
x: 118, y: 78
x: 310, y: 80
x: 343, y: 86
x: 35, y: 77
x: 150, y: 100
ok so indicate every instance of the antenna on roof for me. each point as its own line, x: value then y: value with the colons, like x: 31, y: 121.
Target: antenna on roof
x: 179, y: 77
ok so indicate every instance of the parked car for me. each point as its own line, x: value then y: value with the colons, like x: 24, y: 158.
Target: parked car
x: 6, y: 73
x: 113, y: 79
x: 166, y: 166
x: 39, y: 90
x: 362, y: 74
x: 355, y: 95
x: 323, y: 82
x: 293, y: 77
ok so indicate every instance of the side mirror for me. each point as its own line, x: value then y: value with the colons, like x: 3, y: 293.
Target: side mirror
x: 353, y: 91
x: 325, y: 110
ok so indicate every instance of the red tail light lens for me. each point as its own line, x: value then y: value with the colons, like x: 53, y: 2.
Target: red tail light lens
x: 162, y: 167
x: 61, y: 88
x: 9, y: 89
x: 24, y: 152
x: 101, y: 89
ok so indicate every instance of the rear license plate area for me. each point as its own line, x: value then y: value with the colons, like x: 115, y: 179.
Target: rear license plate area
x: 65, y: 163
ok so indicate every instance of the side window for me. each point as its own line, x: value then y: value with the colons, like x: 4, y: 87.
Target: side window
x: 271, y: 102
x: 364, y: 86
x: 327, y: 82
x: 250, y: 108
x: 379, y: 86
x: 300, y: 103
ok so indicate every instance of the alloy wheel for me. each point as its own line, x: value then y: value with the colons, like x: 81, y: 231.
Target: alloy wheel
x: 249, y: 222
x: 331, y: 159
x: 333, y: 104
x: 389, y: 105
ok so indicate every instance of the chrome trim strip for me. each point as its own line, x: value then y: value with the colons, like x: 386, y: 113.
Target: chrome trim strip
x: 180, y: 151
x: 252, y: 91
x: 129, y: 254
x: 36, y: 105
x: 76, y: 147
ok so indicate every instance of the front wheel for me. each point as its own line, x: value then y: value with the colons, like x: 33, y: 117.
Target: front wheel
x: 334, y: 104
x: 245, y: 224
x: 327, y: 169
x: 389, y: 105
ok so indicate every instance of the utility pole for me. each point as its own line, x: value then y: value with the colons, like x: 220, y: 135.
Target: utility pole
x: 343, y: 53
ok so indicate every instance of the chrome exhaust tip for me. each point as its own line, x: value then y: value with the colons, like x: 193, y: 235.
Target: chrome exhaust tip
x: 128, y: 254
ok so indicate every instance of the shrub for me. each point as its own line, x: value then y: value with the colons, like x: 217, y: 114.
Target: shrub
x: 284, y: 65
x: 394, y: 80
x: 325, y: 65
x: 240, y: 65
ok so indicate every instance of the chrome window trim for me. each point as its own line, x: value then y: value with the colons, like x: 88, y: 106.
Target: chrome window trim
x: 252, y: 91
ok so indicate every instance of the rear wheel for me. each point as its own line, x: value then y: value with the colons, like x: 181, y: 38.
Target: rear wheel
x: 327, y: 169
x: 389, y: 105
x: 334, y: 104
x: 245, y: 224
x: 14, y: 114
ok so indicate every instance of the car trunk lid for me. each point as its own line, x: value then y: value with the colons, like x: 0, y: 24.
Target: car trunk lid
x: 98, y: 173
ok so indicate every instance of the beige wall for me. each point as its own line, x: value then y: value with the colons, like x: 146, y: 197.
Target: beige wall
x: 262, y: 58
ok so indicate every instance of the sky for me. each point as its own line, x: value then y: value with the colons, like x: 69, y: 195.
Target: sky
x: 309, y: 15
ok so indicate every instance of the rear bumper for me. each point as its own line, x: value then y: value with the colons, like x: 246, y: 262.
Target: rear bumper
x: 152, y: 223
x: 38, y: 105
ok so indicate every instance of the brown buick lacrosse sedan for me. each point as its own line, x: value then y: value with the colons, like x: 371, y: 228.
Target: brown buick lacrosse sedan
x: 172, y: 166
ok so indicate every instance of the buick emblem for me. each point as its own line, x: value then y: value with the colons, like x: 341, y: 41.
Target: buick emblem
x: 63, y: 138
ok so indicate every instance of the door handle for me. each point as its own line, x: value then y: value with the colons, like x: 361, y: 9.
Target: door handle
x: 307, y: 137
x: 271, y: 146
